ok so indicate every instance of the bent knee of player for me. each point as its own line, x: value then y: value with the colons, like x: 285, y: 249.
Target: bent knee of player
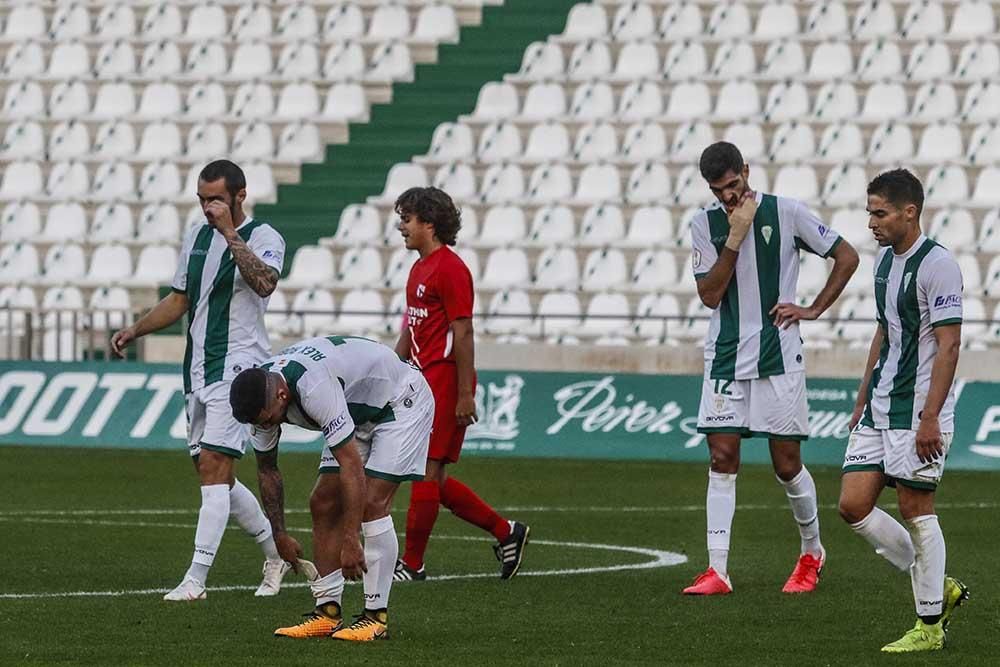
x: 852, y: 510
x: 378, y: 503
x: 323, y: 505
x: 725, y: 459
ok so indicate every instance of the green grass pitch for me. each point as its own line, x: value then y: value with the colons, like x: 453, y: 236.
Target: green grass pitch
x: 78, y: 520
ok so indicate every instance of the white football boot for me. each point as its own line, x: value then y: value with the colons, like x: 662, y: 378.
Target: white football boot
x: 188, y: 590
x: 274, y: 572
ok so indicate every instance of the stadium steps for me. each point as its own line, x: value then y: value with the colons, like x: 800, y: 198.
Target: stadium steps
x: 395, y: 132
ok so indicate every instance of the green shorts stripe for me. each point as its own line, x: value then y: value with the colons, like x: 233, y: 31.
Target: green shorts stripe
x: 863, y: 467
x: 228, y: 451
x: 723, y: 429
x: 778, y: 436
x: 378, y: 474
x: 911, y: 484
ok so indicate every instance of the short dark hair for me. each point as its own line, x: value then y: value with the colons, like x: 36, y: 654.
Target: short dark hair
x: 248, y: 394
x: 719, y: 159
x: 899, y: 187
x: 434, y: 207
x: 236, y: 180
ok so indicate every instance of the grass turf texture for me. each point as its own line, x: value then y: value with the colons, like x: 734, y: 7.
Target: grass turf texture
x: 633, y: 617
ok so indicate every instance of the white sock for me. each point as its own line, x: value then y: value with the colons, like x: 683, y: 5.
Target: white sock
x: 381, y: 552
x: 890, y: 539
x: 927, y: 571
x: 328, y: 588
x: 719, y: 509
x: 243, y: 507
x: 212, y: 518
x: 801, y: 492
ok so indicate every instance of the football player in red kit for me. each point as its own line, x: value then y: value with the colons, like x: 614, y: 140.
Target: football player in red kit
x: 437, y: 337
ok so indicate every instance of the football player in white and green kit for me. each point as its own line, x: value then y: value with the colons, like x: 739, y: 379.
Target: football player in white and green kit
x: 904, y: 417
x: 745, y: 259
x: 376, y: 412
x: 228, y: 268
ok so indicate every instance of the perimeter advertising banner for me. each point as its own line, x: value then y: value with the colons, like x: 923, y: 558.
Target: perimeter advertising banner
x: 534, y: 414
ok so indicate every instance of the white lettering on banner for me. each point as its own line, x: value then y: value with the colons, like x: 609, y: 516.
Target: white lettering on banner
x: 990, y: 423
x: 178, y: 430
x: 30, y: 383
x: 592, y: 402
x: 165, y: 386
x: 39, y: 422
x: 116, y: 384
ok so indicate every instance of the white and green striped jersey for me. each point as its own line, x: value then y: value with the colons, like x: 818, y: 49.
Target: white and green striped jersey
x: 338, y: 383
x: 742, y: 341
x: 914, y: 292
x: 225, y: 317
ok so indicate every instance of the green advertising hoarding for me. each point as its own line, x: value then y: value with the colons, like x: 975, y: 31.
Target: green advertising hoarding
x: 533, y: 414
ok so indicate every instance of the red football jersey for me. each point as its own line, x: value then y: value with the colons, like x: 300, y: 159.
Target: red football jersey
x: 438, y: 292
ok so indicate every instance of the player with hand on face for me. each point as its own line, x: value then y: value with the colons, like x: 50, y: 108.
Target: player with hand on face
x: 746, y: 262
x: 375, y: 412
x: 228, y: 268
x: 904, y: 419
x: 437, y: 337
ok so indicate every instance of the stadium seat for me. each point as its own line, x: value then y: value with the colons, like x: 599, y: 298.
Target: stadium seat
x: 358, y: 225
x: 737, y: 100
x: 874, y: 19
x: 390, y: 61
x: 922, y: 20
x: 978, y: 61
x: 496, y: 101
x: 598, y: 183
x: 252, y: 21
x: 681, y: 20
x: 986, y: 192
x: 786, y: 101
x: 586, y: 21
x: 638, y: 60
x: 968, y: 264
x: 695, y: 324
x: 162, y: 20
x: 24, y: 60
x: 973, y: 18
x: 831, y: 60
x: 836, y: 101
x: 65, y: 221
x: 298, y: 60
x: 776, y: 20
x: 974, y: 320
x: 159, y: 181
x: 885, y: 101
x: 748, y: 136
x: 158, y: 224
x: 547, y: 142
x: 690, y: 188
x: 589, y: 60
x: 63, y: 316
x: 451, y: 141
x: 656, y: 316
x: 25, y: 21
x: 116, y: 21
x: 110, y: 264
x: 879, y: 60
x: 852, y: 225
x: 505, y: 268
x: 16, y: 303
x: 22, y: 140
x: 115, y: 59
x: 648, y: 182
x: 891, y: 143
x: 18, y: 263
x: 989, y: 232
x: 603, y: 270
x: 64, y: 264
x: 640, y: 100
x: 608, y: 314
x: 648, y: 141
x: 940, y: 142
x: 297, y: 22
x: 111, y: 308
x: 206, y: 22
x: 160, y: 59
x: 437, y: 23
x: 509, y: 312
x: 650, y: 226
x: 549, y: 183
x: 827, y: 19
x: 792, y: 142
x: 68, y: 100
x: 689, y: 101
x: 21, y: 179
x: 684, y: 60
x: 502, y: 225
x: 843, y: 185
x: 360, y: 312
x: 155, y: 266
x: 501, y: 183
x: 784, y: 59
x: 813, y: 273
x: 856, y: 318
x: 984, y: 145
x: 398, y: 268
x: 114, y: 139
x: 23, y: 99
x: 206, y: 60
x: 159, y: 100
x: 542, y: 61
x: 300, y: 142
x: 313, y: 313
x: 633, y: 21
x: 841, y: 142
x: 596, y: 142
x: 557, y: 267
x: 251, y: 60
x: 113, y: 180
x: 68, y: 140
x: 602, y: 225
x: 558, y: 313
x: 592, y: 101
x: 500, y: 142
x: 113, y: 222
x: 160, y: 140
x: 733, y: 60
x: 206, y: 141
x: 981, y: 99
x: 935, y: 101
x: 20, y: 221
x: 729, y: 20
x: 298, y: 101
x: 457, y: 179
x: 552, y: 226
x: 344, y: 61
x: 69, y: 59
x: 389, y: 22
x: 345, y: 101
x: 946, y: 185
x: 114, y: 100
x: 653, y: 271
x: 861, y: 281
x: 991, y: 281
x: 797, y: 182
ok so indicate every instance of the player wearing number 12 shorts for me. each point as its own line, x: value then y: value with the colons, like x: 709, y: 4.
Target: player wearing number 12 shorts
x: 437, y: 337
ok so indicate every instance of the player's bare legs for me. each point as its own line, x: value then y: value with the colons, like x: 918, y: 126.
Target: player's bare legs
x: 800, y: 489
x: 720, y: 505
x: 381, y: 552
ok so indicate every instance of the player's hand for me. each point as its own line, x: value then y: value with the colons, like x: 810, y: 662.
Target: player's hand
x: 352, y: 559
x: 786, y: 314
x: 289, y: 549
x: 121, y: 340
x: 465, y: 411
x: 219, y: 216
x: 856, y: 416
x: 930, y: 447
x: 741, y: 219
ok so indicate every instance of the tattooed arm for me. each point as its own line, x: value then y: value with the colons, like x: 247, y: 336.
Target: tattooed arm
x: 272, y: 499
x: 261, y: 278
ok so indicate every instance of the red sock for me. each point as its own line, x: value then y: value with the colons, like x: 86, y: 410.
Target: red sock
x: 425, y: 499
x: 466, y: 505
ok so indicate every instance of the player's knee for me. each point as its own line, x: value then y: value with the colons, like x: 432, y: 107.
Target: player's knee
x: 853, y: 511
x: 787, y: 468
x: 725, y: 461
x: 323, y: 506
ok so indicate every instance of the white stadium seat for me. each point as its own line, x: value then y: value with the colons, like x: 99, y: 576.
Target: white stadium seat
x: 550, y: 183
x: 749, y: 137
x: 729, y: 20
x: 252, y: 21
x: 973, y: 18
x: 843, y: 185
x: 680, y: 20
x: 978, y: 61
x: 547, y: 142
x: 437, y: 23
x: 542, y: 61
x: 206, y: 22
x: 586, y: 21
x: 688, y: 101
x: 589, y: 60
x: 389, y: 22
x: 22, y: 140
x: 596, y: 142
x: 64, y: 264
x: 300, y: 142
x: 784, y: 59
x: 953, y: 228
x: 923, y: 19
x: 69, y: 59
x: 885, y: 101
x: 68, y: 181
x: 786, y: 101
x: 831, y: 60
x: 797, y: 182
x: 25, y: 21
x: 935, y: 101
x: 684, y: 60
x: 298, y: 101
x: 890, y: 143
x: 160, y: 140
x: 158, y: 224
x: 792, y: 142
x: 160, y: 100
x: 114, y: 139
x: 344, y: 20
x: 505, y: 267
x: 841, y: 142
x: 874, y: 19
x: 313, y: 313
x: 114, y: 100
x: 297, y: 21
x: 109, y: 264
x: 880, y: 59
x: 734, y: 59
x: 827, y: 19
x: 737, y: 100
x: 69, y: 140
x: 946, y: 185
x: 298, y: 60
x: 113, y: 180
x: 20, y: 221
x: 253, y: 100
x: 359, y: 267
x: 557, y: 268
x: 391, y: 61
x: 648, y: 182
x: 206, y: 141
x: 940, y: 142
x: 345, y: 101
x: 21, y: 179
x: 251, y: 60
x: 604, y: 269
x: 607, y: 314
x: 777, y: 19
x: 502, y: 225
x: 115, y: 21
x: 498, y: 142
x: 112, y: 222
x: 640, y: 100
x: 552, y: 226
x: 984, y: 144
x: 360, y: 312
x: 456, y: 178
x: 648, y: 141
x: 986, y: 192
x: 206, y: 60
x: 160, y: 59
x: 602, y: 225
x: 558, y: 312
x: 253, y: 141
x: 653, y: 271
x: 344, y: 61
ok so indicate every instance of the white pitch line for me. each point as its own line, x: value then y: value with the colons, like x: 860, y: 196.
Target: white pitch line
x: 659, y: 558
x: 516, y: 508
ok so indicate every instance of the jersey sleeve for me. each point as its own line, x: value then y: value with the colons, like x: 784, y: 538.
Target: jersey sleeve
x: 179, y: 283
x: 264, y: 440
x: 811, y: 234
x: 455, y: 287
x: 942, y: 284
x: 268, y: 244
x: 326, y: 405
x: 703, y: 252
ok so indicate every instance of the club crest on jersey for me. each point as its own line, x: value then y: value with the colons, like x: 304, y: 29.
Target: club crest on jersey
x: 766, y: 233
x: 696, y: 258
x: 906, y: 281
x: 720, y: 402
x: 421, y: 288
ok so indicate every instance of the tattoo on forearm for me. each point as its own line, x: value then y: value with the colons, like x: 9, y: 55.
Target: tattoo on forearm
x: 261, y: 278
x: 272, y: 497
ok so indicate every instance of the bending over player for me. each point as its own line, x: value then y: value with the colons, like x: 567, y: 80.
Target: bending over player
x: 375, y: 412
